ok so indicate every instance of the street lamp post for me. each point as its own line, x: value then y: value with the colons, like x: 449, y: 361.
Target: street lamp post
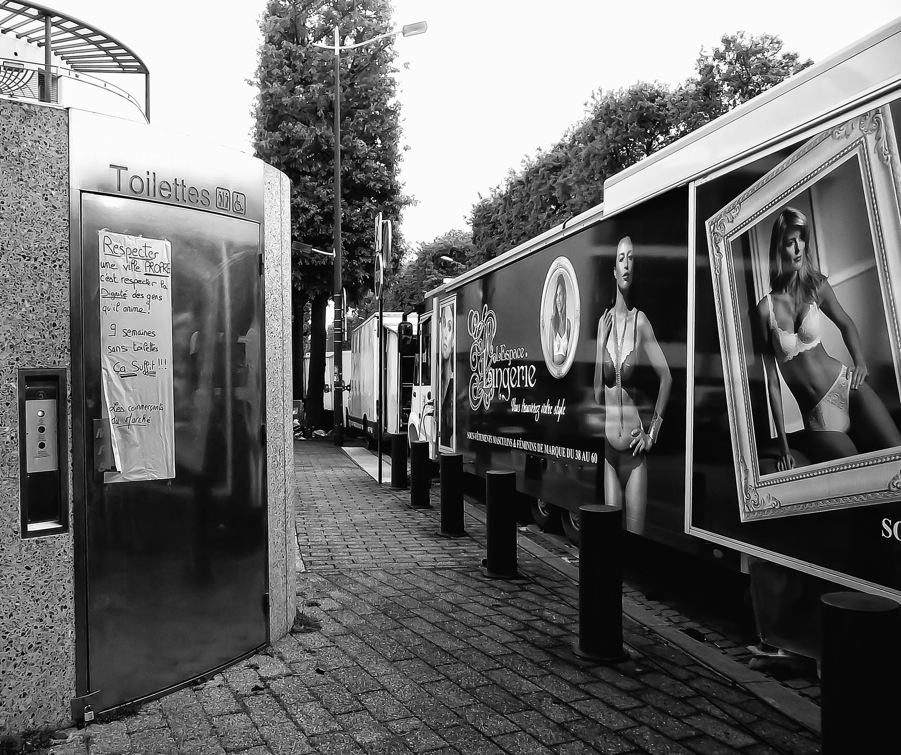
x: 408, y: 31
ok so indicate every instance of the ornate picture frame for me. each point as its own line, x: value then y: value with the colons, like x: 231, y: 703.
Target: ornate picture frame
x: 847, y: 182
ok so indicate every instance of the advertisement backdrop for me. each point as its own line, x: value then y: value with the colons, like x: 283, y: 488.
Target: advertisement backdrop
x: 565, y: 357
x: 833, y: 508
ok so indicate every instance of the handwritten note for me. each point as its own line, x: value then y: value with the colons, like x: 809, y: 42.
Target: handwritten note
x: 136, y: 354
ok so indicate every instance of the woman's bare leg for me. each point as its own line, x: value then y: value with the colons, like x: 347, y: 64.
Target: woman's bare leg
x: 872, y: 427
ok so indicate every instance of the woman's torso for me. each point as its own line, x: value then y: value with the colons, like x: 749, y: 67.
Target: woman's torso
x: 621, y: 411
x: 806, y: 367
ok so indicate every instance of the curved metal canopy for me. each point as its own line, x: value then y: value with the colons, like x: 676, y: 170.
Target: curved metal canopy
x: 82, y: 47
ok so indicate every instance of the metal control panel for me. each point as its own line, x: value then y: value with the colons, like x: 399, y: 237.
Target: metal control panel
x: 43, y: 459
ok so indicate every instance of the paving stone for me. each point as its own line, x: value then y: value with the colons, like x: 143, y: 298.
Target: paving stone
x: 653, y: 741
x: 335, y: 744
x: 265, y: 710
x: 108, y: 738
x: 313, y: 719
x: 291, y: 691
x: 487, y: 720
x: 470, y: 741
x: 236, y: 731
x: 383, y: 706
x: 217, y: 699
x: 539, y: 726
x: 157, y: 741
x: 285, y: 739
x: 522, y: 743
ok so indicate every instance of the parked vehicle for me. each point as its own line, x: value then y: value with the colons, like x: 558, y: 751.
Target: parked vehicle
x: 653, y: 353
x: 398, y: 344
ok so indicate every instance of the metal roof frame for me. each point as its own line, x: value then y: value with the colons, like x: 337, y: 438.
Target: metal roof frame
x: 82, y: 47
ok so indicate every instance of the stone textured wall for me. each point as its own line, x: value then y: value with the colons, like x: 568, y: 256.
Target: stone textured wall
x: 37, y: 625
x: 279, y: 428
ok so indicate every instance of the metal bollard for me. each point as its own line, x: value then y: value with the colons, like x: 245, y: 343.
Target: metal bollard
x: 600, y: 585
x: 419, y: 474
x: 451, y: 495
x: 859, y: 670
x: 399, y: 460
x: 500, y: 490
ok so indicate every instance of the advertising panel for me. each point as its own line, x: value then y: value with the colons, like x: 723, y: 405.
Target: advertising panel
x: 799, y: 269
x: 571, y: 367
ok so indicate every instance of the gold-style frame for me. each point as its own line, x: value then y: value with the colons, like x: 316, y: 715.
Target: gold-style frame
x: 868, y: 478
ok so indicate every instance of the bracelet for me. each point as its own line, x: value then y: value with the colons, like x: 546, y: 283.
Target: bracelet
x: 654, y: 429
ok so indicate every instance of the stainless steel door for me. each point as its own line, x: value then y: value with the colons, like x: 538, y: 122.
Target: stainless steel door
x: 174, y: 570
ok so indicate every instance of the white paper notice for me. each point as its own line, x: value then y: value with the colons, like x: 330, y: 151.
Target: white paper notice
x: 136, y: 355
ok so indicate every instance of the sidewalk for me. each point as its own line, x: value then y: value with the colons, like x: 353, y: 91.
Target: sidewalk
x: 402, y: 645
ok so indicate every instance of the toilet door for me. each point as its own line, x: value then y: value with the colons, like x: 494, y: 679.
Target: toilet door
x: 172, y: 562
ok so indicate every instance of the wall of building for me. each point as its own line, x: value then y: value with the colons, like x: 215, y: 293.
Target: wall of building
x: 37, y: 619
x: 279, y: 426
x: 37, y: 597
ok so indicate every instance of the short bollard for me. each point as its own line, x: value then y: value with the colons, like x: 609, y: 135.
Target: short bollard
x: 859, y: 670
x: 451, y: 495
x: 500, y: 489
x: 600, y: 585
x: 399, y: 460
x: 419, y: 474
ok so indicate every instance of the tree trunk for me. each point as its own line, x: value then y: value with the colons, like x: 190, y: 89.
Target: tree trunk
x: 298, y: 302
x: 318, y: 418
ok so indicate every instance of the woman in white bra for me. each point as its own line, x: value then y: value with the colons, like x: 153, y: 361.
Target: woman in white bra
x: 561, y: 327
x: 828, y: 392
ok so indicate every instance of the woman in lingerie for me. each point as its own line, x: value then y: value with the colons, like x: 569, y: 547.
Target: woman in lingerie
x: 446, y: 427
x: 624, y: 335
x: 829, y: 393
x: 561, y: 327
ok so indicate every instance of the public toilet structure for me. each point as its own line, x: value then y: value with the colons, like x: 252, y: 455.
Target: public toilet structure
x: 146, y: 465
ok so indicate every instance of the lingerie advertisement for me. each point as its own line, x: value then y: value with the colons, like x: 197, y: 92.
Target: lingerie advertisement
x: 807, y: 285
x: 571, y: 368
x: 797, y: 395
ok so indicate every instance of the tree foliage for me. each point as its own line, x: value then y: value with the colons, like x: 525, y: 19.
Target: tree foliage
x: 622, y: 127
x: 294, y: 132
x: 426, y: 270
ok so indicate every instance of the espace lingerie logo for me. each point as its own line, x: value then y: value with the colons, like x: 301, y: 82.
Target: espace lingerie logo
x: 494, y: 373
x: 174, y: 189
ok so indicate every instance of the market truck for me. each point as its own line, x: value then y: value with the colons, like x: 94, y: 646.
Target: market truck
x: 328, y: 401
x: 397, y: 369
x: 652, y: 352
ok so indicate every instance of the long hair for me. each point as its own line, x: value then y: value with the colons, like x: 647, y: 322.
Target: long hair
x: 558, y: 317
x: 804, y: 287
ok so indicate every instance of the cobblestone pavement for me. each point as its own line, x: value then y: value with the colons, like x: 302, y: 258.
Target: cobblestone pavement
x: 403, y: 645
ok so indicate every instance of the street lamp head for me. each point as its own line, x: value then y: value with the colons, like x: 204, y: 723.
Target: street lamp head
x: 411, y: 30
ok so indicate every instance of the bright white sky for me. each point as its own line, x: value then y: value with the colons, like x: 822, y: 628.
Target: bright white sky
x: 489, y: 83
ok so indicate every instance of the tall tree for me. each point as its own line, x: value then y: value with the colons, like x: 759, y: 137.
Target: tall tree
x: 740, y: 68
x: 294, y: 132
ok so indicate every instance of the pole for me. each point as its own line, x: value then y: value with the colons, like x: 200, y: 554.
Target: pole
x: 601, y: 585
x: 859, y: 673
x: 338, y: 330
x: 380, y: 402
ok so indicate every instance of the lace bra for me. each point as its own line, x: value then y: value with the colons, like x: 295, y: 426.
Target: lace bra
x: 788, y: 345
x: 625, y: 345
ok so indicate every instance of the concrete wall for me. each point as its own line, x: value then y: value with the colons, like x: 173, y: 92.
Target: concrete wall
x: 37, y: 618
x: 279, y: 427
